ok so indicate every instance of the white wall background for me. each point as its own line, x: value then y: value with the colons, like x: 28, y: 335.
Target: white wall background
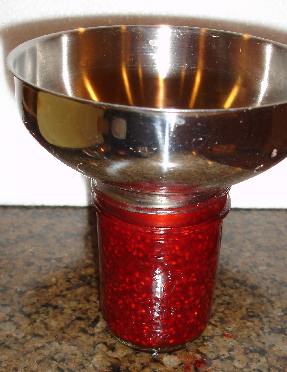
x: 29, y: 175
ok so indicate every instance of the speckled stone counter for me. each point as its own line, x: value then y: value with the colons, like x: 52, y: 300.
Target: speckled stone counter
x: 49, y: 309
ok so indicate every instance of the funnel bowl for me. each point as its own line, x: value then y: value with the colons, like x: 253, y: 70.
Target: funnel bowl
x: 156, y: 107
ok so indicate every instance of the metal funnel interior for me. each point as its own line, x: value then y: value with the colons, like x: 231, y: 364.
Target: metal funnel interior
x: 157, y: 67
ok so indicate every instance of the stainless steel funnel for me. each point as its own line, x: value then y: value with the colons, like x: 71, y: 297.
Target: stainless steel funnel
x: 156, y: 108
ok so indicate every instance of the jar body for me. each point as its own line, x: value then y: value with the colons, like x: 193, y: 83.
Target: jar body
x: 157, y: 270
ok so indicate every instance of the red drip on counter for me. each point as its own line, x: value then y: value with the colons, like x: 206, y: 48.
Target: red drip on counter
x: 158, y: 269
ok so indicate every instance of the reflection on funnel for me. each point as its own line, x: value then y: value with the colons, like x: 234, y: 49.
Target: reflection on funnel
x: 124, y: 67
x: 68, y: 124
x: 233, y: 94
x: 162, y: 60
x: 199, y: 68
x: 90, y: 88
x: 66, y: 65
x: 265, y: 79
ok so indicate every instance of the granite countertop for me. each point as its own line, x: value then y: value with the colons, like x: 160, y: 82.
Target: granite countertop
x: 49, y: 317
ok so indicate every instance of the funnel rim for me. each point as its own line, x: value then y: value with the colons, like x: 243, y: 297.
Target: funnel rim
x: 14, y: 53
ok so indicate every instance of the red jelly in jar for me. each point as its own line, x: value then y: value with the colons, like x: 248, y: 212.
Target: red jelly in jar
x: 157, y: 269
